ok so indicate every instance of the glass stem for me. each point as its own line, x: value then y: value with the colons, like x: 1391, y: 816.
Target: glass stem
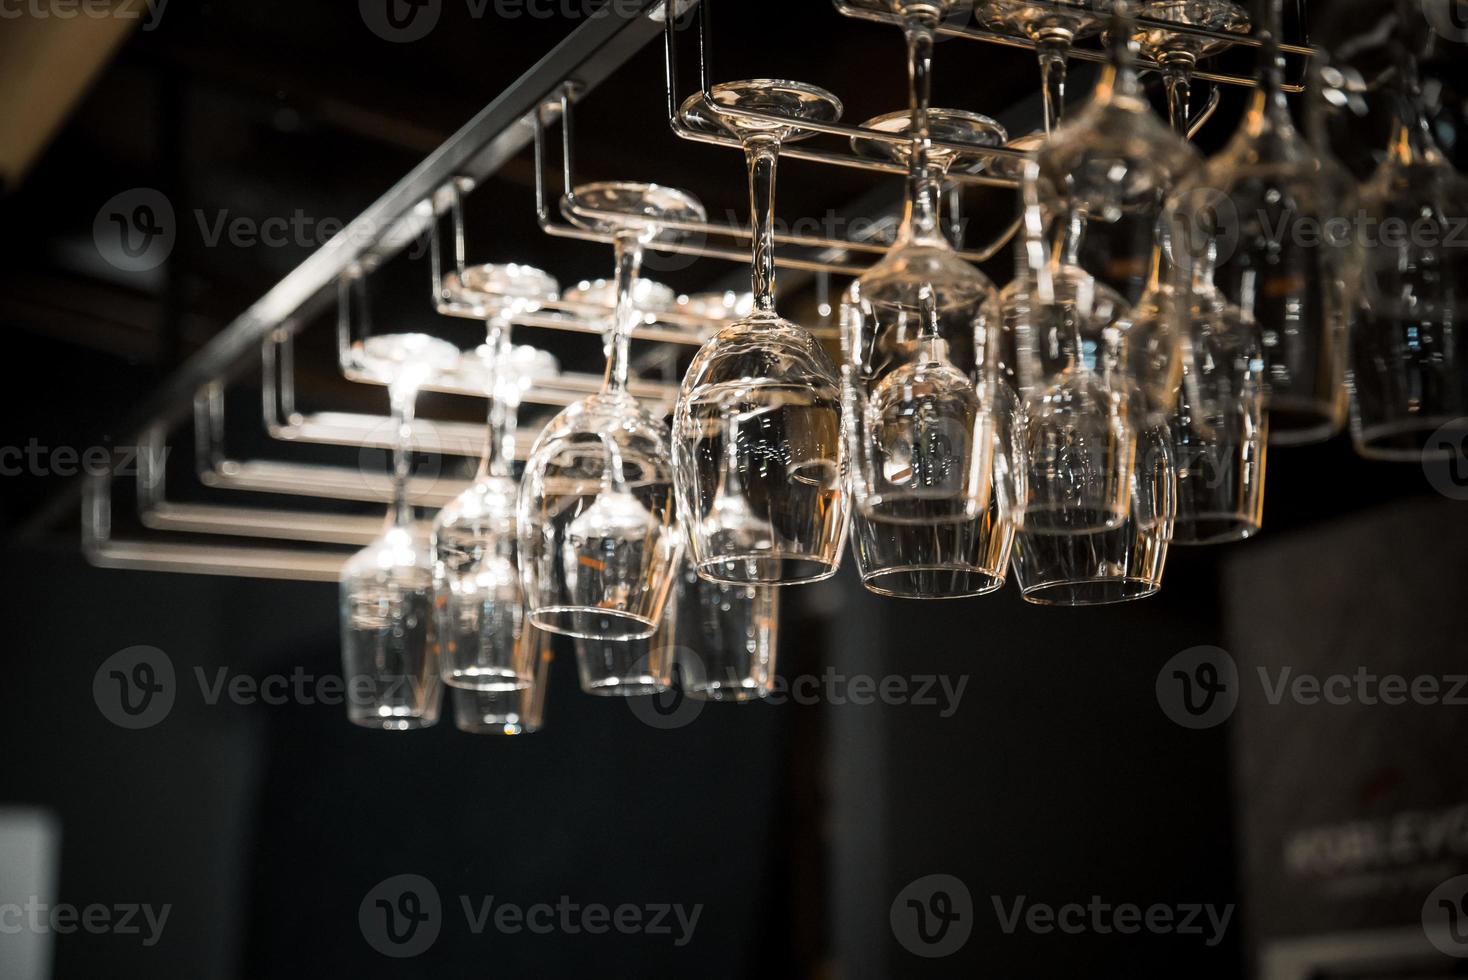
x: 629, y: 265
x: 1178, y: 81
x: 763, y: 154
x: 402, y: 397
x: 921, y: 220
x: 1054, y: 50
x: 499, y: 443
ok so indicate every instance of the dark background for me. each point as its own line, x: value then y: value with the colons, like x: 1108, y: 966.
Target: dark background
x: 795, y: 826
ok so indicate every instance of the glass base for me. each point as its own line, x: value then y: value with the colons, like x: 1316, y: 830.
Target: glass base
x: 766, y: 568
x: 795, y: 101
x: 734, y: 692
x: 920, y: 509
x: 1205, y: 529
x: 933, y: 582
x: 393, y: 722
x: 1071, y: 520
x: 498, y: 728
x: 1296, y: 422
x: 589, y: 623
x: 484, y: 679
x: 624, y: 687
x: 1413, y: 440
x: 1091, y: 592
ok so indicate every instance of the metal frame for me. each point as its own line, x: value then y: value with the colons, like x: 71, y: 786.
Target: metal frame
x: 521, y: 115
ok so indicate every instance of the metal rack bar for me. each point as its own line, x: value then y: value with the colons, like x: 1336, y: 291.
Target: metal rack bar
x: 595, y: 49
x: 869, y: 10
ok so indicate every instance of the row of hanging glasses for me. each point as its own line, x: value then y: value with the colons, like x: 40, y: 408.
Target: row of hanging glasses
x: 1167, y: 320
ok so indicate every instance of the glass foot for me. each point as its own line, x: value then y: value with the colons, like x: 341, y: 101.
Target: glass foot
x: 795, y: 101
x: 616, y: 207
x: 944, y: 126
x: 1163, y: 45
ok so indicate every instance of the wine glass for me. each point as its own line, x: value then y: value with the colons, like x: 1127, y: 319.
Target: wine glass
x: 954, y: 559
x: 477, y: 578
x: 757, y: 429
x: 1252, y: 217
x: 390, y: 661
x: 521, y: 712
x: 598, y: 537
x: 727, y: 639
x: 1110, y: 165
x: 1106, y: 567
x: 630, y: 668
x: 1219, y: 426
x: 1053, y: 27
x: 918, y: 386
x: 1409, y: 372
x: 1178, y: 53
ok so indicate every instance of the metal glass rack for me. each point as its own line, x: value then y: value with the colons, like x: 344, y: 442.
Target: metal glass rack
x: 431, y: 194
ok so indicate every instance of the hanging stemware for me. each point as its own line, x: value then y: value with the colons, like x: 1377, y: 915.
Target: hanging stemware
x: 757, y: 430
x: 522, y: 712
x: 598, y: 537
x: 1257, y: 216
x: 390, y: 662
x: 1053, y: 26
x: 1178, y: 53
x: 1409, y: 368
x: 476, y: 573
x: 917, y: 381
x: 952, y: 559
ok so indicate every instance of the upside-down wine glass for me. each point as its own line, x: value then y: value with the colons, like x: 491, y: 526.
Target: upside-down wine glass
x: 1109, y: 166
x: 952, y: 559
x: 389, y: 658
x: 477, y: 576
x: 1178, y: 53
x: 599, y: 539
x: 1053, y: 26
x: 1258, y: 215
x: 917, y: 378
x: 1409, y: 365
x: 519, y: 712
x: 757, y: 429
x: 727, y: 639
